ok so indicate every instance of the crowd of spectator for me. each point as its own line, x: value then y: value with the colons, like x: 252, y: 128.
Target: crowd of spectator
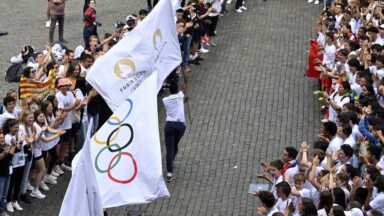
x: 40, y: 135
x: 342, y: 172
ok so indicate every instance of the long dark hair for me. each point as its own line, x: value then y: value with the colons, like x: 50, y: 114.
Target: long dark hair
x: 339, y: 196
x: 326, y: 201
x: 8, y: 124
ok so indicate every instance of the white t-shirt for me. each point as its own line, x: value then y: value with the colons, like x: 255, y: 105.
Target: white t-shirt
x: 381, y: 165
x: 65, y: 101
x: 18, y: 159
x: 216, y: 5
x: 174, y: 107
x: 335, y: 144
x: 329, y: 55
x: 296, y: 199
x: 377, y: 203
x: 340, y: 101
x: 282, y: 204
x: 275, y: 182
x: 338, y: 20
x: 320, y: 38
x: 79, y: 95
x: 7, y: 115
x: 83, y: 69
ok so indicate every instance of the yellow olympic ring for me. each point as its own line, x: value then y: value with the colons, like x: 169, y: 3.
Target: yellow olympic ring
x: 112, y: 138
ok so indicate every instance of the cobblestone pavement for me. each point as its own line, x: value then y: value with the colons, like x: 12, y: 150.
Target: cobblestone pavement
x: 249, y: 99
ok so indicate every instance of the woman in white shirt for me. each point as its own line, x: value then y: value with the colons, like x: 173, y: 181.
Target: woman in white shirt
x: 14, y: 137
x: 39, y: 166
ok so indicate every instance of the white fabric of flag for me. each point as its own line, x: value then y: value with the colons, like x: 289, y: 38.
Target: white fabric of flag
x: 82, y: 196
x: 151, y: 46
x: 126, y: 152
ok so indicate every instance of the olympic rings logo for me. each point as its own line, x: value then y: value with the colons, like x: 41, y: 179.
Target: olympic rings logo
x: 115, y: 121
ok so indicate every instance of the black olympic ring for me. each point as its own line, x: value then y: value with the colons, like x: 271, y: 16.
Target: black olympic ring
x: 127, y: 144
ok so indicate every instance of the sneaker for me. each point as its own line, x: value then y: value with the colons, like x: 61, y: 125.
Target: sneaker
x: 25, y: 198
x: 243, y: 8
x: 48, y: 179
x: 310, y: 1
x: 212, y: 44
x: 58, y: 170
x: 47, y: 24
x: 16, y: 206
x: 169, y: 177
x: 53, y: 177
x: 202, y: 50
x: 198, y: 58
x: 53, y: 173
x: 239, y: 10
x: 229, y: 1
x: 9, y: 207
x: 29, y: 186
x: 37, y: 194
x: 44, y: 186
x: 63, y: 41
x: 321, y: 98
x: 324, y: 120
x: 317, y: 92
x: 65, y: 168
x: 317, y: 2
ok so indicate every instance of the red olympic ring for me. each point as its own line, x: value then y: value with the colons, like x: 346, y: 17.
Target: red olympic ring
x: 122, y: 181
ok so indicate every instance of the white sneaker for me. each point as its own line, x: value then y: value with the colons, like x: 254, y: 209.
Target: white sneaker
x: 53, y: 173
x: 48, y: 179
x: 37, y: 194
x: 310, y: 1
x: 16, y: 206
x: 65, y: 168
x: 324, y: 120
x: 44, y: 186
x: 229, y: 1
x: 202, y: 50
x: 48, y: 24
x: 239, y: 10
x: 58, y: 170
x: 243, y: 8
x: 317, y: 2
x: 29, y: 186
x: 10, y: 207
x: 53, y: 177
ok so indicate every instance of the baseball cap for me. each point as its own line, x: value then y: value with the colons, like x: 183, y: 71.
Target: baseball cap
x: 179, y: 9
x: 119, y: 24
x: 129, y: 18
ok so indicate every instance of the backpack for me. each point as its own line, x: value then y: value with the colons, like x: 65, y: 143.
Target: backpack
x: 14, y: 73
x: 27, y: 52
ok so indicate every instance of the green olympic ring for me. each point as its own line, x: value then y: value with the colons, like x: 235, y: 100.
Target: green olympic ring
x: 98, y: 154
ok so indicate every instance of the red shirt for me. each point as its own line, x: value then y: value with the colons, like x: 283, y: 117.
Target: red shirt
x: 92, y: 15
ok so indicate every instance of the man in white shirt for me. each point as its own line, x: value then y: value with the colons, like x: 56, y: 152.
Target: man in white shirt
x: 66, y: 104
x: 337, y: 100
x: 175, y: 127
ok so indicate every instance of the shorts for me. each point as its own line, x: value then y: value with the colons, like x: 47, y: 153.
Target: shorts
x: 75, y: 128
x: 38, y: 158
x: 37, y: 153
x: 66, y: 137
